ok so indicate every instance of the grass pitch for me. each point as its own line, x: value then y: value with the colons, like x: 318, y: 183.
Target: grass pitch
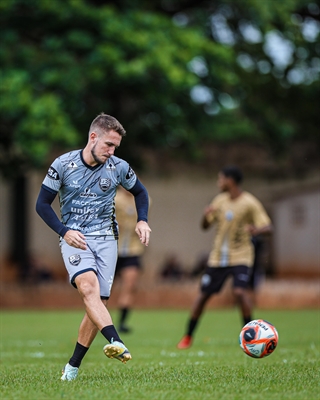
x: 36, y: 345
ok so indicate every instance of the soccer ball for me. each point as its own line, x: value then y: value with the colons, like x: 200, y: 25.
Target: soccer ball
x: 258, y: 338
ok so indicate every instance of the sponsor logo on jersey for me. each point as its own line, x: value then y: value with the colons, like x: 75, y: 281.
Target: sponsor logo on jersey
x: 88, y: 194
x: 104, y: 184
x: 75, y: 259
x: 72, y: 164
x: 74, y: 184
x: 53, y: 174
x: 130, y: 173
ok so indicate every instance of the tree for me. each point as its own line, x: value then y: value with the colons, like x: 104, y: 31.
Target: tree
x: 63, y: 62
x: 71, y: 59
x: 277, y: 60
x: 177, y: 74
x: 174, y: 72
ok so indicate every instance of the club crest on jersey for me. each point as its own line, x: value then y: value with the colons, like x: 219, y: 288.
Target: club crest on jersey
x: 229, y: 215
x: 53, y: 174
x: 75, y: 259
x: 72, y: 164
x: 104, y: 184
x: 130, y: 173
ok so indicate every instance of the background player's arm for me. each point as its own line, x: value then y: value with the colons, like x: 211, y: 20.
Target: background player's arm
x: 263, y: 230
x: 261, y: 222
x: 208, y: 216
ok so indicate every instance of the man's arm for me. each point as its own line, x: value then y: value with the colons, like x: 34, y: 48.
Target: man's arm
x: 207, y: 218
x: 262, y: 224
x: 46, y: 212
x: 263, y: 230
x: 141, y: 198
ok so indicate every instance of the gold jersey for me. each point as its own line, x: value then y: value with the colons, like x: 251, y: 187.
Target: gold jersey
x: 232, y: 242
x: 129, y: 243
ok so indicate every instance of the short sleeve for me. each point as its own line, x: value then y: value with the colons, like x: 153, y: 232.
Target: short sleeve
x: 259, y: 215
x: 54, y: 176
x: 128, y: 177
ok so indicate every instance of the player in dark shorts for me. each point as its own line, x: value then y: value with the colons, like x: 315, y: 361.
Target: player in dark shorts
x: 238, y: 216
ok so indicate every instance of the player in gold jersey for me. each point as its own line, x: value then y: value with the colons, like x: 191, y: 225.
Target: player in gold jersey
x: 130, y: 251
x: 237, y: 216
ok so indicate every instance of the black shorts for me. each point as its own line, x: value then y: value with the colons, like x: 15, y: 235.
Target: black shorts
x: 125, y: 262
x: 214, y: 277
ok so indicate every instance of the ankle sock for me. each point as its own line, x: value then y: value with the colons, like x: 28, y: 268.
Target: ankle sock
x: 110, y: 333
x: 78, y: 354
x: 191, y: 326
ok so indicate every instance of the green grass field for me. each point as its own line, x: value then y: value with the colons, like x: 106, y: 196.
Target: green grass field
x: 36, y: 345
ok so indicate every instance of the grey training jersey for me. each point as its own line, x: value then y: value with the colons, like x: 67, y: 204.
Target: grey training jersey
x: 87, y: 193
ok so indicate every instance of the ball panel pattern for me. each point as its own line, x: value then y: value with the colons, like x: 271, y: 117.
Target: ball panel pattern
x: 258, y: 338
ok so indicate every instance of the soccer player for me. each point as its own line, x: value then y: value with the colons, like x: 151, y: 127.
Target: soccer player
x: 130, y: 251
x: 237, y: 216
x: 86, y: 181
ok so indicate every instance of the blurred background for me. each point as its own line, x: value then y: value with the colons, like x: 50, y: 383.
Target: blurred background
x: 197, y: 85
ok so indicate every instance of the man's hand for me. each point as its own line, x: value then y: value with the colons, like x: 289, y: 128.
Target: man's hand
x: 210, y: 209
x: 143, y: 231
x: 207, y: 217
x: 254, y: 231
x: 75, y: 239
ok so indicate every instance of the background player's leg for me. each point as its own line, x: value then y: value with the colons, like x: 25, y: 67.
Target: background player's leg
x: 241, y: 279
x: 196, y: 313
x: 129, y: 278
x: 244, y: 300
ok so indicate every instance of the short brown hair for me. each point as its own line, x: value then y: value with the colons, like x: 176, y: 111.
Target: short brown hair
x: 107, y: 123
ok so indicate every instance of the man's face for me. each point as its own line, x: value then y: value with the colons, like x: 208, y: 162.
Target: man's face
x: 104, y: 145
x: 223, y: 182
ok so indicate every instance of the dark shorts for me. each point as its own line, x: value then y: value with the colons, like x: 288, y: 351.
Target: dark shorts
x: 125, y: 262
x: 213, y: 278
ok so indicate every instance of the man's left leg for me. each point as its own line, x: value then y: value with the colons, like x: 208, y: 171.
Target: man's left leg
x: 86, y: 335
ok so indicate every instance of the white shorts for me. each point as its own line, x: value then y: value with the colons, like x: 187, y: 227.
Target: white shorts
x: 100, y: 257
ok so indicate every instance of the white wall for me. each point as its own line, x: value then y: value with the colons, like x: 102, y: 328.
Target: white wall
x: 177, y: 206
x: 296, y: 240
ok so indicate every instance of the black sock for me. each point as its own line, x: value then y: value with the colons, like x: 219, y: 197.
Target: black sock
x: 110, y: 333
x: 246, y: 320
x: 123, y: 315
x: 78, y: 354
x: 192, y: 326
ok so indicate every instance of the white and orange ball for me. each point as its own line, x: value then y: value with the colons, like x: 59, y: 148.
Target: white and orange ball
x: 258, y: 338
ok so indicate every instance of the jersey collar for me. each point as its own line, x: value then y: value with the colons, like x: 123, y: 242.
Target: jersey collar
x: 87, y: 165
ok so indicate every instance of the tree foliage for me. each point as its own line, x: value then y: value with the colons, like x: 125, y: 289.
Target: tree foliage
x: 176, y: 73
